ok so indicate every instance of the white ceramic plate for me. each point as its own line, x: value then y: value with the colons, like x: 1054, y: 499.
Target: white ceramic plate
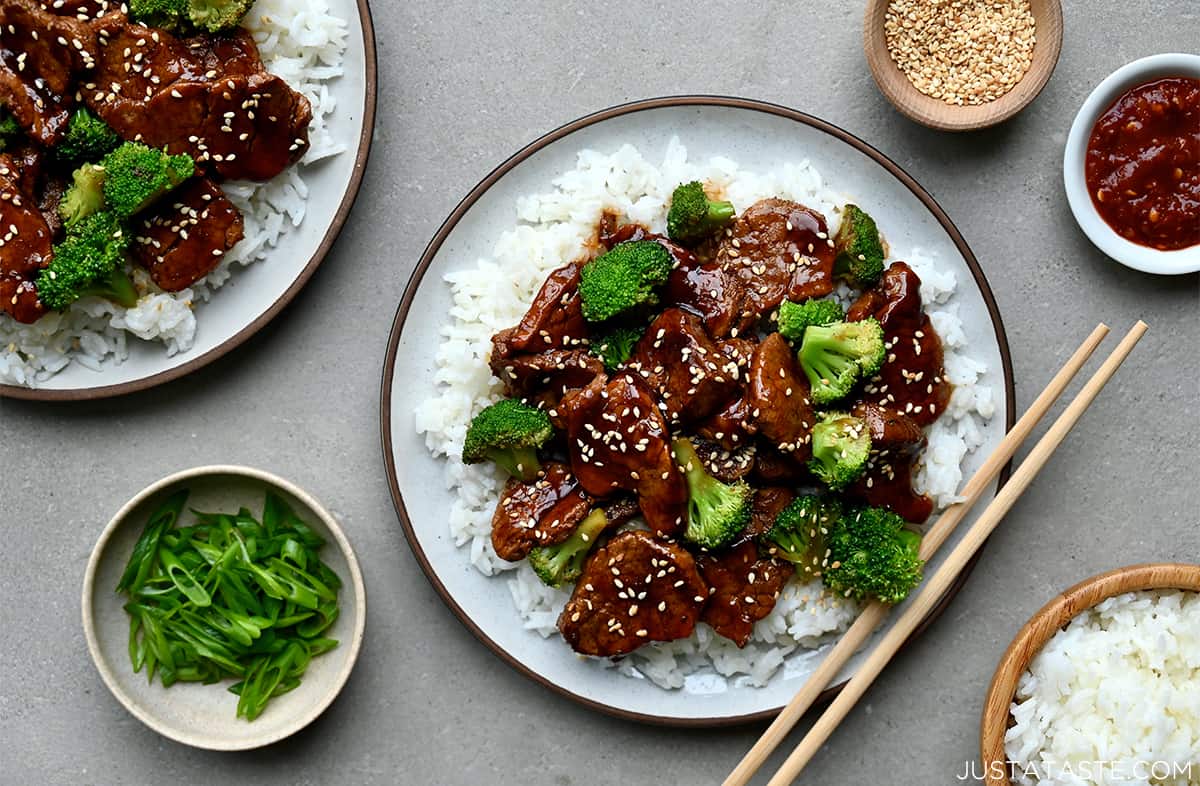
x: 1130, y: 75
x: 204, y: 716
x: 260, y: 291
x: 758, y: 136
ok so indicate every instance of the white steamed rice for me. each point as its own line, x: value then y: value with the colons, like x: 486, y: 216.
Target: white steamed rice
x: 1114, y: 697
x: 302, y: 42
x: 493, y: 293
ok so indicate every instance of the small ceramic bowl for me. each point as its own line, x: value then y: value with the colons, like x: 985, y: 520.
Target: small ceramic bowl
x: 934, y: 112
x: 1149, y: 260
x: 1052, y: 618
x: 204, y: 716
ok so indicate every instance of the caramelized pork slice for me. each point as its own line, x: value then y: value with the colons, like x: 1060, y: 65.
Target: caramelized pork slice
x: 540, y: 513
x: 553, y: 372
x: 691, y: 375
x: 182, y: 238
x: 726, y: 466
x: 777, y: 397
x: 635, y: 589
x: 779, y: 249
x: 913, y: 378
x: 713, y: 293
x: 554, y: 321
x: 621, y: 510
x: 773, y: 467
x: 206, y: 97
x: 769, y: 502
x: 732, y: 428
x: 896, y: 442
x: 25, y: 241
x: 744, y: 588
x: 618, y: 439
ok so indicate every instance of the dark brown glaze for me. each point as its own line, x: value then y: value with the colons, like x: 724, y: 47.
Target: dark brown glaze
x: 769, y: 502
x: 210, y: 100
x: 554, y: 320
x: 896, y: 443
x: 621, y: 510
x: 713, y: 293
x: 726, y: 466
x: 732, y: 427
x: 25, y: 241
x: 40, y: 54
x: 635, y: 589
x: 83, y: 10
x: 777, y: 397
x: 912, y: 379
x: 779, y: 249
x: 773, y: 467
x: 182, y: 238
x: 547, y: 376
x: 743, y: 588
x: 540, y: 513
x: 52, y: 191
x: 23, y: 165
x: 618, y: 439
x: 690, y: 375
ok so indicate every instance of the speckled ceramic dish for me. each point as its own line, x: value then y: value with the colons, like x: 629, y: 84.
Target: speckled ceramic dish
x: 204, y: 716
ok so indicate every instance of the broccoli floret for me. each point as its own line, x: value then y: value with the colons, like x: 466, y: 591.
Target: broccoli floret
x: 88, y: 138
x: 835, y: 357
x: 717, y: 511
x: 85, y: 195
x: 167, y: 14
x: 508, y: 433
x: 562, y: 563
x: 623, y: 278
x: 616, y: 347
x: 872, y: 555
x: 89, y: 261
x: 215, y: 16
x: 800, y: 533
x: 136, y: 176
x: 841, y: 445
x: 795, y: 317
x: 693, y: 216
x: 858, y: 249
x: 10, y: 130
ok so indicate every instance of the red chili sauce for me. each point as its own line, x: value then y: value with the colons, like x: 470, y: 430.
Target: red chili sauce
x: 1143, y: 164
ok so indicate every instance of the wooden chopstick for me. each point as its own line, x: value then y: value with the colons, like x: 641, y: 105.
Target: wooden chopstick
x: 934, y: 587
x: 858, y: 633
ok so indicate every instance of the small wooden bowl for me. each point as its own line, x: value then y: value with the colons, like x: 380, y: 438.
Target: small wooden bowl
x: 935, y: 113
x: 1050, y: 620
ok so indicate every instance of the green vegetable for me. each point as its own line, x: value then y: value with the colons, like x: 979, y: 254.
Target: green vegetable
x: 188, y: 16
x: 623, y: 278
x: 795, y: 317
x: 229, y: 597
x: 136, y: 176
x: 858, y: 249
x: 167, y: 14
x: 563, y: 562
x: 693, y: 216
x: 873, y: 555
x: 615, y: 347
x: 717, y: 511
x: 841, y: 446
x: 10, y: 131
x: 85, y: 195
x: 88, y: 138
x: 508, y: 433
x: 89, y: 261
x: 801, y: 530
x: 835, y: 357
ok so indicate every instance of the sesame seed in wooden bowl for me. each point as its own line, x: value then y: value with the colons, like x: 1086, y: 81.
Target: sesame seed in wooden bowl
x: 961, y: 65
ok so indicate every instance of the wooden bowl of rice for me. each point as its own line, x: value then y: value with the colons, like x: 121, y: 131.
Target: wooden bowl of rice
x: 1054, y: 618
x: 962, y: 65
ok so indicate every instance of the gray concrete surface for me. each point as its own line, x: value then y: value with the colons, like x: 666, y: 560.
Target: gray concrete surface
x: 463, y: 85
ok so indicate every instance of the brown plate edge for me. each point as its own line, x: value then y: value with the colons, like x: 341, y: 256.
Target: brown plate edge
x: 473, y: 196
x: 331, y: 235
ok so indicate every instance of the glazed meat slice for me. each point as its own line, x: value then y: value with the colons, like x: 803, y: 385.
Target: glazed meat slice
x: 912, y: 379
x: 726, y: 466
x: 777, y: 397
x: 23, y: 166
x: 732, y: 427
x: 211, y: 100
x: 40, y: 54
x: 621, y: 510
x: 554, y: 320
x: 635, y: 589
x: 779, y: 249
x: 549, y: 374
x: 51, y: 195
x: 713, y: 293
x: 25, y: 240
x: 896, y: 440
x: 83, y: 10
x: 773, y: 467
x: 769, y: 502
x: 691, y: 375
x: 890, y: 430
x: 184, y: 236
x: 618, y: 439
x: 744, y: 588
x: 540, y: 513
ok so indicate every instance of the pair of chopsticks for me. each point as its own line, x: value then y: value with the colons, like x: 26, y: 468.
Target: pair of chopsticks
x: 936, y: 585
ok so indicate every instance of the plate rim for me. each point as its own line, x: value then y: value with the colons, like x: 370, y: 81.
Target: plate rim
x: 434, y: 246
x: 370, y: 99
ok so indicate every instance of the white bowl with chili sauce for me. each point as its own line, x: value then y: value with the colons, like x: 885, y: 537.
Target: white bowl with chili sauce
x: 1131, y: 254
